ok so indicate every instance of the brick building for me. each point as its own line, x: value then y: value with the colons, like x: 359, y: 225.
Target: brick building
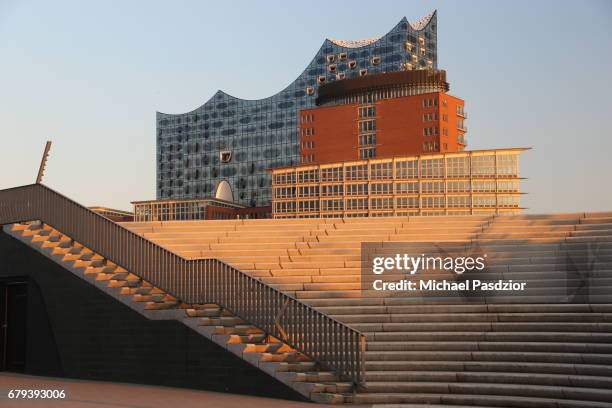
x: 381, y: 116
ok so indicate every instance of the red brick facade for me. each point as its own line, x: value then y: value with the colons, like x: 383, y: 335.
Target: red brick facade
x: 410, y: 125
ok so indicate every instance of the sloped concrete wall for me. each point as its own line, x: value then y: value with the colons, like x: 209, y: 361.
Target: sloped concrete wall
x: 77, y: 331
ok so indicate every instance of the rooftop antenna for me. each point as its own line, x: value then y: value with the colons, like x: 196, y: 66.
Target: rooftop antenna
x: 43, y: 163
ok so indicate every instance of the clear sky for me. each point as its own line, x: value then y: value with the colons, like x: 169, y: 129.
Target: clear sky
x: 91, y: 75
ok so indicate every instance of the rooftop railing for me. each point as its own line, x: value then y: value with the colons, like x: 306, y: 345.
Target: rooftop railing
x: 327, y: 341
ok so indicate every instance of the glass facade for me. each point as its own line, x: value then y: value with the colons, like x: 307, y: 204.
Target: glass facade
x: 176, y: 210
x: 461, y: 183
x: 238, y: 140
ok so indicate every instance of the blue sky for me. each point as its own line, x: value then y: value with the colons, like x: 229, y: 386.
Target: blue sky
x: 91, y: 75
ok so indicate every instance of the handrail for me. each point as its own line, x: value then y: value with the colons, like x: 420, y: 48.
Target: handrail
x: 324, y: 339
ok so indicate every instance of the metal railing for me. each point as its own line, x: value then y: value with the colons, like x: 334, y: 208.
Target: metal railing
x: 324, y: 339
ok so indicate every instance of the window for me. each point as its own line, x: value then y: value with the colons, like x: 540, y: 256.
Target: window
x: 367, y: 111
x: 483, y: 186
x: 407, y: 202
x: 225, y: 156
x: 331, y: 174
x: 508, y: 201
x: 432, y: 187
x: 430, y: 131
x: 284, y: 206
x: 432, y: 168
x: 357, y: 204
x: 431, y: 116
x: 331, y: 58
x: 432, y: 201
x: 507, y: 186
x: 368, y: 139
x: 381, y: 171
x: 308, y: 205
x: 308, y: 191
x: 309, y: 90
x: 340, y: 75
x: 483, y: 201
x: 406, y: 169
x: 308, y: 131
x: 409, y: 46
x: 332, y: 190
x: 357, y: 189
x: 284, y: 178
x: 460, y: 125
x: 309, y: 117
x: 309, y: 158
x: 460, y: 186
x: 367, y: 153
x: 367, y: 126
x: 375, y: 60
x: 332, y: 205
x: 284, y: 192
x: 455, y: 201
x: 507, y: 165
x: 407, y: 188
x: 381, y: 188
x: 308, y: 176
x: 352, y: 64
x: 458, y: 166
x: 445, y: 131
x: 332, y: 68
x: 483, y: 166
x: 384, y: 203
x: 363, y: 72
x: 429, y: 102
x: 356, y: 172
x: 342, y: 56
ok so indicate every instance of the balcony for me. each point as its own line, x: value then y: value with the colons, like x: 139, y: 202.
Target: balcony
x: 462, y: 140
x: 462, y: 128
x: 462, y: 114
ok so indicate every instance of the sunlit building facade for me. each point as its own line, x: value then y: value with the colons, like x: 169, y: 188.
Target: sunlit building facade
x: 459, y: 183
x: 236, y: 140
x: 383, y: 115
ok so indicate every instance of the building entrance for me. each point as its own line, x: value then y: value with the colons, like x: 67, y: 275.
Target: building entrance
x: 13, y: 323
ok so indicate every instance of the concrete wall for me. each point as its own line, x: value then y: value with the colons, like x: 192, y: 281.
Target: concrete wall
x: 77, y: 331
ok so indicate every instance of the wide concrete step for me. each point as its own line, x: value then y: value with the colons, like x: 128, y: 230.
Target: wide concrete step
x: 546, y: 337
x: 472, y: 400
x: 565, y: 368
x: 515, y: 346
x: 509, y: 356
x: 476, y: 317
x: 592, y: 233
x: 394, y: 392
x: 354, y: 307
x: 462, y: 326
x: 559, y: 380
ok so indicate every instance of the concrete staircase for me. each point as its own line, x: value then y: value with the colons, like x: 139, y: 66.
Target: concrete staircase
x: 218, y: 325
x: 546, y: 348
